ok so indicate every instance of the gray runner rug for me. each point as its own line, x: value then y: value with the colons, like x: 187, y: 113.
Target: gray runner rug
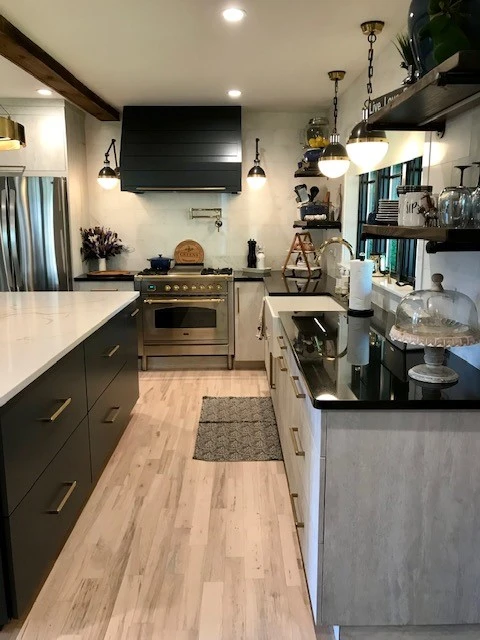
x: 237, y: 429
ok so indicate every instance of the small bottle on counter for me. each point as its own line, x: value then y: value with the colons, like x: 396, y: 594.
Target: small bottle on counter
x: 260, y: 258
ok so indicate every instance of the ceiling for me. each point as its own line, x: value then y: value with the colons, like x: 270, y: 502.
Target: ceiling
x: 183, y: 52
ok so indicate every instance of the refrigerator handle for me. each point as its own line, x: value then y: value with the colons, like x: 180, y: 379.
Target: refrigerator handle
x: 62, y: 249
x: 4, y: 240
x: 12, y: 197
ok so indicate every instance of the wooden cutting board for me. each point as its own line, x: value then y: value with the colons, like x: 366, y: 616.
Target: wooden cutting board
x: 111, y: 273
x: 189, y: 252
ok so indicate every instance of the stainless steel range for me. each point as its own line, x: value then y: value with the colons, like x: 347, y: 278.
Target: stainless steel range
x: 188, y: 311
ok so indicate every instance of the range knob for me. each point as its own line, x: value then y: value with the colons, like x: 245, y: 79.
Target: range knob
x: 219, y: 287
x: 176, y: 287
x: 210, y: 287
x: 184, y: 287
x: 168, y: 287
x: 193, y: 287
x: 202, y: 287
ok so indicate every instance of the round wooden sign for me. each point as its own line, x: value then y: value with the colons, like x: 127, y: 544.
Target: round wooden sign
x: 188, y: 252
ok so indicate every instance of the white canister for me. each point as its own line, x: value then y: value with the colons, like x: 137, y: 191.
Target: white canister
x: 410, y: 203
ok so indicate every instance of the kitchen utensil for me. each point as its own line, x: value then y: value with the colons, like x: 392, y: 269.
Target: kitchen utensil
x: 160, y: 263
x: 189, y: 252
x: 302, y: 193
x: 314, y: 191
x: 252, y: 254
x: 455, y: 204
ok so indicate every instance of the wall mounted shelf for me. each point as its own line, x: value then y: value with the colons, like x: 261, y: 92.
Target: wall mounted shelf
x: 439, y: 239
x: 449, y: 89
x: 306, y: 224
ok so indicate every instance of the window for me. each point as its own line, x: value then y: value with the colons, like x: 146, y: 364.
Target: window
x: 377, y: 185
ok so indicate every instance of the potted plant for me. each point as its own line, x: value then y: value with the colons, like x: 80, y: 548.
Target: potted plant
x: 402, y: 45
x: 100, y: 243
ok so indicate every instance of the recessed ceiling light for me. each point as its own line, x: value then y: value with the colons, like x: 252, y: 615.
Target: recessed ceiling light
x: 44, y: 92
x: 234, y: 93
x: 234, y: 15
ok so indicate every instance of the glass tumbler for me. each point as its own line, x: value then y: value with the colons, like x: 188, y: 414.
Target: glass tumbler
x: 455, y: 205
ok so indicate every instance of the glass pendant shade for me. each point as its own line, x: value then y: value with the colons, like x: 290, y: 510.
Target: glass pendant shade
x: 366, y: 148
x: 107, y: 177
x: 256, y: 177
x: 334, y: 162
x: 12, y: 134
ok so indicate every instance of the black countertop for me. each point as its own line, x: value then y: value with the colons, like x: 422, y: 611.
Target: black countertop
x: 347, y: 363
x: 119, y: 277
x: 277, y: 284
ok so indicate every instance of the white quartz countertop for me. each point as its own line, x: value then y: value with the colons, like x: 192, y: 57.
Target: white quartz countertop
x: 301, y: 303
x: 38, y: 328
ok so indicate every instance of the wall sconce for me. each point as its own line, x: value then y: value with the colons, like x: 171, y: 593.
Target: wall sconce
x: 12, y: 134
x: 256, y: 176
x: 108, y: 178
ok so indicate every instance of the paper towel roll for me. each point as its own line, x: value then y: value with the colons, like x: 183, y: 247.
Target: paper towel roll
x: 361, y: 272
x: 358, y: 344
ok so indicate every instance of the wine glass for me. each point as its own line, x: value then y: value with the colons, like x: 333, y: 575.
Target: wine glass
x: 455, y: 204
x: 476, y: 203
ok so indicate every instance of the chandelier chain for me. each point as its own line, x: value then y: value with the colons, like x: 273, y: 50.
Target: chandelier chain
x: 372, y: 38
x: 335, y: 108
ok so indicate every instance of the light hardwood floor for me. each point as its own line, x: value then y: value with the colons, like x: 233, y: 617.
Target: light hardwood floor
x: 171, y: 548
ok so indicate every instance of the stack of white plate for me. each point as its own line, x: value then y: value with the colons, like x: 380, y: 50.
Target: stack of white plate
x: 387, y: 212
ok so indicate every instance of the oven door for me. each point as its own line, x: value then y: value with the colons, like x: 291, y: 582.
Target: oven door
x: 185, y: 320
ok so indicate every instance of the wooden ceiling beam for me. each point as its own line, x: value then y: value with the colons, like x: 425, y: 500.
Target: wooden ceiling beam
x: 16, y: 47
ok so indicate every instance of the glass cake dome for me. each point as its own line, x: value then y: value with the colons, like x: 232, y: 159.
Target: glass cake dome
x: 435, y: 319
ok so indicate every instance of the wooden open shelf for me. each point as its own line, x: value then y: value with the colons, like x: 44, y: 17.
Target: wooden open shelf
x: 449, y: 89
x: 439, y: 239
x: 325, y: 224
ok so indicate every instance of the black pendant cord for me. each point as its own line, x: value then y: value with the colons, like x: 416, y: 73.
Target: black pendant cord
x: 335, y: 109
x: 372, y: 38
x: 257, y: 154
x: 112, y: 145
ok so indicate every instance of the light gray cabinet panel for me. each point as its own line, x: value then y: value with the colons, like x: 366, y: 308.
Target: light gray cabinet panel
x: 402, y: 518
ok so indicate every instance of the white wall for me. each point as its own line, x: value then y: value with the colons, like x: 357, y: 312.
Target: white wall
x: 155, y: 223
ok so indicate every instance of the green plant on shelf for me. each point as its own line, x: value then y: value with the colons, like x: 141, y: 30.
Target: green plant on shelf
x: 445, y: 28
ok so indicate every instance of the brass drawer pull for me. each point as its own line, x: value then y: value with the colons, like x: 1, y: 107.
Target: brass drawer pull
x: 71, y: 488
x: 272, y: 381
x: 298, y: 524
x: 298, y: 394
x: 238, y: 300
x: 134, y: 313
x: 112, y: 351
x: 298, y: 450
x: 112, y: 415
x: 59, y: 411
x: 283, y: 366
x: 281, y: 342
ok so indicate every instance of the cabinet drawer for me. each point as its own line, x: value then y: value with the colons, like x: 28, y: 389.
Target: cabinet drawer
x: 36, y: 424
x: 111, y: 285
x: 107, y: 350
x: 110, y: 415
x: 39, y: 527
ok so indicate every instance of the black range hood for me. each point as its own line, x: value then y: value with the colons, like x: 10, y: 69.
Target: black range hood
x: 181, y: 149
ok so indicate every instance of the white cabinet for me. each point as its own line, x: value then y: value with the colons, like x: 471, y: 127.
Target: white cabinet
x: 248, y: 303
x: 45, y: 133
x: 104, y: 285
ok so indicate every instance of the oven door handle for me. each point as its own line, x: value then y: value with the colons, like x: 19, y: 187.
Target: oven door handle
x: 181, y: 300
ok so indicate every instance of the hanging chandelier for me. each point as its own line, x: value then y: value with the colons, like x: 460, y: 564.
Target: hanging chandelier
x: 367, y: 148
x: 334, y: 162
x: 256, y: 177
x: 12, y: 134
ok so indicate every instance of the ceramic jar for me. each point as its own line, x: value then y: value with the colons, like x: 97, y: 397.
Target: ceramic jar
x: 410, y: 201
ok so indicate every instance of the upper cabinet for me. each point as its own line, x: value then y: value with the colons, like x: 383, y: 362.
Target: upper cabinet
x: 45, y: 132
x: 181, y: 149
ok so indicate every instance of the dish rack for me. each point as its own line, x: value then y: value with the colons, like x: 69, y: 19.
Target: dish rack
x: 302, y: 257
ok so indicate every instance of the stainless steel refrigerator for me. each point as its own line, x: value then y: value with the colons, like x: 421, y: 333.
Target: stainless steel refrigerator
x: 34, y: 234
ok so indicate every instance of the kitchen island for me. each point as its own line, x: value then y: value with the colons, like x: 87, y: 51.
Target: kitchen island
x: 383, y: 477
x: 68, y: 383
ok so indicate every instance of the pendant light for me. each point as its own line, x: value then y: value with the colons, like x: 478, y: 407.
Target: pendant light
x: 108, y: 178
x: 367, y: 148
x: 256, y: 176
x: 334, y: 162
x: 12, y: 134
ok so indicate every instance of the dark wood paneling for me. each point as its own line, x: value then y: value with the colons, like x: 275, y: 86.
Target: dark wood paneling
x: 35, y: 534
x: 181, y: 147
x: 29, y: 441
x: 16, y: 47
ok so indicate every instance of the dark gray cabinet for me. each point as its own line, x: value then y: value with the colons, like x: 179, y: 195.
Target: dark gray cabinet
x: 53, y: 433
x: 39, y: 526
